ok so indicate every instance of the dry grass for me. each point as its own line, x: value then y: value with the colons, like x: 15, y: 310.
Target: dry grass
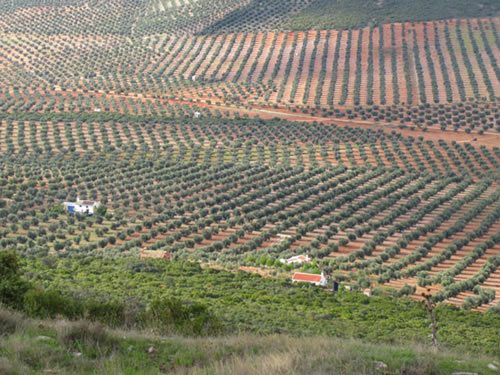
x: 320, y: 355
x: 62, y: 347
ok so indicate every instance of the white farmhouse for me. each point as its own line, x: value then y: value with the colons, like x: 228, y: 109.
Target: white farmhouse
x: 82, y: 207
x: 310, y: 278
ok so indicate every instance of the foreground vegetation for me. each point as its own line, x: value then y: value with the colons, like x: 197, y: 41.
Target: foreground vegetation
x: 183, y: 298
x: 62, y: 347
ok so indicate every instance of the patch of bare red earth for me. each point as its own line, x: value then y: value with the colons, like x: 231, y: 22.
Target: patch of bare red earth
x: 306, y: 71
x: 402, y: 84
x: 488, y: 63
x: 364, y: 66
x: 275, y: 54
x: 317, y: 67
x: 232, y: 55
x: 239, y: 59
x: 448, y: 62
x: 268, y: 42
x: 458, y: 54
x: 259, y: 39
x: 480, y: 79
x: 440, y: 246
x: 435, y: 61
x: 376, y: 66
x: 295, y: 56
x: 387, y: 49
x: 351, y: 79
x: 341, y: 66
x: 334, y: 39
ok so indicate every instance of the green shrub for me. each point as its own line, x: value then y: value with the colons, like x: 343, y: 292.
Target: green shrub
x: 110, y: 313
x: 188, y: 319
x: 12, y: 285
x: 49, y: 304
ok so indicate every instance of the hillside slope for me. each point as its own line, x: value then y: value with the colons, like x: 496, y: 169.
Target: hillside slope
x: 343, y: 14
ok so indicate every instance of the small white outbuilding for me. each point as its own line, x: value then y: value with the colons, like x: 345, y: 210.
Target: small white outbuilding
x: 298, y: 259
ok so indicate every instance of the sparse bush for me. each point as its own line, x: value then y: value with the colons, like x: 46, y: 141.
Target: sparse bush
x: 91, y: 339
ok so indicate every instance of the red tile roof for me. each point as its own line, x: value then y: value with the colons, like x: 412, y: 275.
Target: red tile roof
x: 306, y: 277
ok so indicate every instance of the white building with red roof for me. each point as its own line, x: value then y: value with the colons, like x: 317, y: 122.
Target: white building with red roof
x: 310, y: 278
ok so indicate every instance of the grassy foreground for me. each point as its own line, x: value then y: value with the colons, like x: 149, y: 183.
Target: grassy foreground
x: 247, y: 302
x: 61, y: 347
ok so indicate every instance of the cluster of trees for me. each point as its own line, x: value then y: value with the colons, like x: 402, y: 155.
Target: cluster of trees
x: 458, y: 244
x: 388, y: 272
x: 74, y: 135
x: 472, y: 284
x: 466, y: 59
x: 446, y: 277
x: 400, y: 226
